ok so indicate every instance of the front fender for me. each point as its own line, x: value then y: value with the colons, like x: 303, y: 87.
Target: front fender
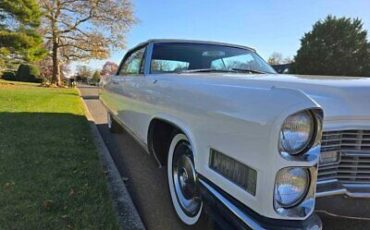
x: 249, y: 132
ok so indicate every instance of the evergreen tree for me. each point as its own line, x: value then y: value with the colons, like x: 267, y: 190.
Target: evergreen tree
x: 19, y: 40
x: 335, y: 46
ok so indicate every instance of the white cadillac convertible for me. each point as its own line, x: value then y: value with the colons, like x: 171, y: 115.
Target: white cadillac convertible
x: 257, y: 149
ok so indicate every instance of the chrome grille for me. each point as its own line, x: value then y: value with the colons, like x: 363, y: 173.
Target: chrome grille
x: 353, y: 165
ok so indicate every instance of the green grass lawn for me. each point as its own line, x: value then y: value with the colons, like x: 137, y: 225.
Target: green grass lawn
x: 50, y: 175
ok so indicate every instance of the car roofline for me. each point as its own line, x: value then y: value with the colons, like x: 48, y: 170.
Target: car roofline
x: 154, y: 41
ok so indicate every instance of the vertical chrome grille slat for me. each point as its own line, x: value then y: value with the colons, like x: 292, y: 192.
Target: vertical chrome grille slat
x: 354, y: 149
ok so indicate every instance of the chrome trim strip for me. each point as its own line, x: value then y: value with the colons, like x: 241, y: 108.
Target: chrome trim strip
x: 342, y: 191
x: 326, y: 181
x: 337, y: 188
x: 235, y: 210
x: 330, y: 193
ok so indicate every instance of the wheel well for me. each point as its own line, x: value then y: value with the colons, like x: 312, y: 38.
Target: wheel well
x: 159, y: 138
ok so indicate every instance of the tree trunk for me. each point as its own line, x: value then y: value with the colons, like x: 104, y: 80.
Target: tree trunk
x: 55, y: 77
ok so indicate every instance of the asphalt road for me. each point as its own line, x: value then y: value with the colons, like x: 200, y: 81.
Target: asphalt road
x: 147, y: 184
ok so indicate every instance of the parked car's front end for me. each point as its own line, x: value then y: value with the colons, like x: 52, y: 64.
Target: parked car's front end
x: 262, y: 165
x: 279, y: 184
x: 342, y: 176
x: 261, y: 147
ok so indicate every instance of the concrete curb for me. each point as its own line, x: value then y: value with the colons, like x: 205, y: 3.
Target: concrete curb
x: 128, y: 216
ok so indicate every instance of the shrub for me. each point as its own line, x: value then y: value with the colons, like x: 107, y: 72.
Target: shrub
x: 8, y: 76
x: 28, y: 73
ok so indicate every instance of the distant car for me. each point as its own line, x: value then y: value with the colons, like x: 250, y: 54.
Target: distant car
x: 239, y: 138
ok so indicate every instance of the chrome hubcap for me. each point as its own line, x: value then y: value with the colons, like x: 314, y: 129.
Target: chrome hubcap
x: 185, y: 179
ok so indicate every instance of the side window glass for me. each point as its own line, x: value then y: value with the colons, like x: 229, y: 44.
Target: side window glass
x: 134, y: 64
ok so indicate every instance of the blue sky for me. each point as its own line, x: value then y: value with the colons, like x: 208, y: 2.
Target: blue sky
x: 268, y: 26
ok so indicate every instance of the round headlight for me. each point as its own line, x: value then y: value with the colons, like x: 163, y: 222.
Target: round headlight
x: 291, y: 186
x: 297, y: 132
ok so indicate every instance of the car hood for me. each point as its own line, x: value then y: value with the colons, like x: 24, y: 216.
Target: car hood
x: 342, y: 98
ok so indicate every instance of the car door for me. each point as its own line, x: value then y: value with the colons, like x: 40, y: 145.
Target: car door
x: 132, y: 84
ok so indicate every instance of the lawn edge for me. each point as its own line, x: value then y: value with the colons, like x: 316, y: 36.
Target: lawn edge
x: 127, y: 214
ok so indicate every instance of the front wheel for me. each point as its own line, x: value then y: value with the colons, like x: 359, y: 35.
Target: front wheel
x: 182, y: 180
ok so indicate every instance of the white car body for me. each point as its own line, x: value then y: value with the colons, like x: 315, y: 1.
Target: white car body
x: 237, y: 114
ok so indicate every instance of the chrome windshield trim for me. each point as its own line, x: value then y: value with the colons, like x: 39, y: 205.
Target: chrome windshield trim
x: 235, y: 210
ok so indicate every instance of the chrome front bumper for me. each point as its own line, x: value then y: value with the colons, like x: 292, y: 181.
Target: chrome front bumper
x: 229, y: 213
x: 335, y: 187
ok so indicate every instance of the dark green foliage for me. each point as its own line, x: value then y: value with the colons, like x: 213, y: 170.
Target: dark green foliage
x: 335, y: 46
x: 28, y: 73
x: 25, y: 11
x: 8, y: 76
x: 19, y: 20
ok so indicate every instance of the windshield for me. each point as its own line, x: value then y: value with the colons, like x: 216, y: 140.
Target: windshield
x: 189, y: 57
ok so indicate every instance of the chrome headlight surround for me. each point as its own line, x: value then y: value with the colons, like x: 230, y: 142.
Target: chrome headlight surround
x: 291, y: 186
x: 305, y: 204
x: 311, y: 148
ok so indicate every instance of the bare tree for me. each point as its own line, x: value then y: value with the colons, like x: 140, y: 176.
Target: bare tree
x: 109, y: 68
x: 84, y: 72
x: 287, y: 60
x: 275, y: 58
x: 84, y: 29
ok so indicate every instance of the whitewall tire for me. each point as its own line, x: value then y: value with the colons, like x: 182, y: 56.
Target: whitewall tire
x: 182, y: 180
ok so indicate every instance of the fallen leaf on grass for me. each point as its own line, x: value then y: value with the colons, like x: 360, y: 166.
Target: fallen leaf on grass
x: 72, y: 192
x: 9, y: 185
x: 48, y: 204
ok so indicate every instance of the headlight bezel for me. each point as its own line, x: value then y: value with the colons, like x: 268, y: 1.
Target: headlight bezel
x: 305, y: 154
x: 305, y: 206
x: 311, y: 132
x: 302, y: 196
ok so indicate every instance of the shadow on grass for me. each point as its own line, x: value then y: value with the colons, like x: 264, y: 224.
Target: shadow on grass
x: 50, y: 175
